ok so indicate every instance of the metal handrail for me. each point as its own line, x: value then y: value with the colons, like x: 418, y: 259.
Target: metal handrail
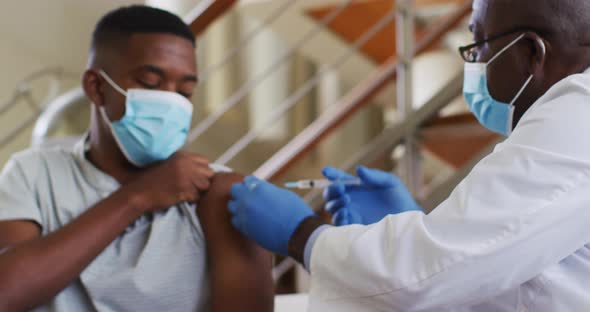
x: 205, y: 12
x: 357, y: 98
x: 271, y: 18
x: 47, y: 119
x: 288, y: 103
x: 23, y: 87
x: 393, y: 136
x: 5, y: 140
x: 247, y: 87
x: 23, y: 91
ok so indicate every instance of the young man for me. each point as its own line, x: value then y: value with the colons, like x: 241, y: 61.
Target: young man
x: 111, y: 225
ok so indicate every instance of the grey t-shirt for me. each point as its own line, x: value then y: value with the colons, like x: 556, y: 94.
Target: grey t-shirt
x: 157, y: 264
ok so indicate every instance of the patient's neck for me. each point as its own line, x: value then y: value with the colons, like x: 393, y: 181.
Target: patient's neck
x: 105, y: 155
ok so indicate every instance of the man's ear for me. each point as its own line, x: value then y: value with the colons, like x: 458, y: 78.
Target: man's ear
x: 540, y: 48
x: 92, y: 85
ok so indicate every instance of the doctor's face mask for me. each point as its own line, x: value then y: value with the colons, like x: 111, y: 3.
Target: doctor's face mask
x: 155, y: 124
x: 495, y: 115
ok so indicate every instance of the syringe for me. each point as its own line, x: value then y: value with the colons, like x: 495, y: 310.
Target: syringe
x: 319, y: 184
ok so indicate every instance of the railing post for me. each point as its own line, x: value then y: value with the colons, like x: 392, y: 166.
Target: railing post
x: 205, y: 13
x: 410, y: 163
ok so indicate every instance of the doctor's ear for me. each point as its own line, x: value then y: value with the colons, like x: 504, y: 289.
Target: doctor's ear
x: 539, y: 50
x: 92, y: 83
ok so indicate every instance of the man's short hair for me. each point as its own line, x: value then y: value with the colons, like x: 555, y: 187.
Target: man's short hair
x: 118, y: 25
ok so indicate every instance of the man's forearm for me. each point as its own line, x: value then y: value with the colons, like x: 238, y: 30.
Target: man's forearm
x: 33, y: 272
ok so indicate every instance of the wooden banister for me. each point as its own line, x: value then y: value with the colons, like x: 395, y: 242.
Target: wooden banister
x: 206, y: 12
x: 357, y: 98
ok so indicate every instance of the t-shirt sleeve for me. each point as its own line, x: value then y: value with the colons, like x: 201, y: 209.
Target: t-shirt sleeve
x: 190, y: 210
x: 17, y: 199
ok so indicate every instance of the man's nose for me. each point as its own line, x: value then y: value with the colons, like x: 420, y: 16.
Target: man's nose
x: 169, y: 86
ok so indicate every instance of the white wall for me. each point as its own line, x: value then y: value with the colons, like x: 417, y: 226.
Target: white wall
x: 265, y: 50
x: 180, y: 7
x: 37, y: 34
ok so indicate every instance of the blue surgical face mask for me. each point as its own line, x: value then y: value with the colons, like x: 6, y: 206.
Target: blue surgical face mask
x: 494, y: 115
x: 155, y: 124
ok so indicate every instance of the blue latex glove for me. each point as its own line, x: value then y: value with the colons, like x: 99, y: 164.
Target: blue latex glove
x: 379, y: 195
x: 267, y: 214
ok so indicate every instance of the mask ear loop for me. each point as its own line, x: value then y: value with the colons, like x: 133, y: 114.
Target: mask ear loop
x: 511, y: 107
x: 106, y: 118
x: 505, y: 48
x: 526, y: 84
x: 528, y: 80
x: 109, y: 124
x: 116, y: 87
x: 111, y: 82
x: 543, y: 46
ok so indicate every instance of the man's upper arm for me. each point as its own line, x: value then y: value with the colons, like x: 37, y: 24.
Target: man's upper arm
x: 239, y: 269
x: 20, y: 217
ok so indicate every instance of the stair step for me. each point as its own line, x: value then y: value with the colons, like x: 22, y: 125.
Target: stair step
x: 360, y: 16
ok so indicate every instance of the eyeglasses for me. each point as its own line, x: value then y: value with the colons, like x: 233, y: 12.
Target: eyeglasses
x: 470, y: 53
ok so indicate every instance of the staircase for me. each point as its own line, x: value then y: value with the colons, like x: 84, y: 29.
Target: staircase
x: 253, y: 123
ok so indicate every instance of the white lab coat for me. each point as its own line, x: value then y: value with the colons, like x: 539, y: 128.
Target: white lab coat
x: 513, y: 236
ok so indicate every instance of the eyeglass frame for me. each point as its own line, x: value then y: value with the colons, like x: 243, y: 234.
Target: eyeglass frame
x: 464, y: 49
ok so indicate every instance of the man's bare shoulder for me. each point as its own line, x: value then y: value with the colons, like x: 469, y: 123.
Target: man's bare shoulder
x: 212, y: 206
x: 240, y: 269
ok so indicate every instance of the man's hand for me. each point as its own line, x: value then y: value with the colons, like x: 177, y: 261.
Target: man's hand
x: 238, y: 267
x: 181, y: 178
x: 379, y: 195
x: 267, y: 214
